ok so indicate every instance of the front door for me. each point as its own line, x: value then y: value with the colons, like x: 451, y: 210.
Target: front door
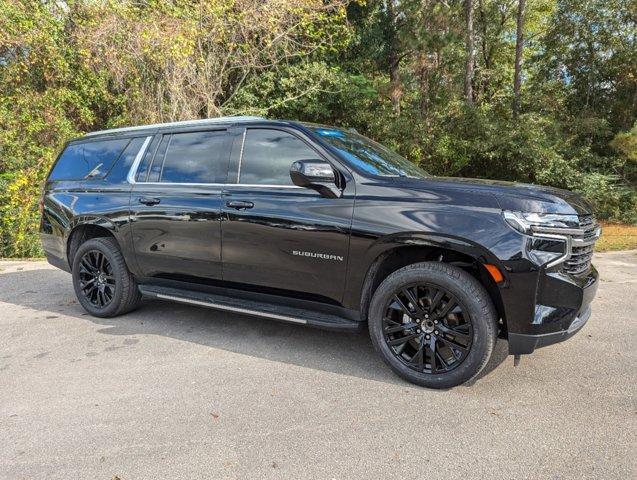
x: 277, y: 237
x: 176, y: 206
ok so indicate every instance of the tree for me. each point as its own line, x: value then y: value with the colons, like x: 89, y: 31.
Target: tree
x: 393, y: 56
x: 429, y: 78
x: 519, y: 45
x: 470, y: 52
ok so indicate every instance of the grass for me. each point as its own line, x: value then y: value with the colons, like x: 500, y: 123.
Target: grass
x: 617, y: 236
x: 22, y: 259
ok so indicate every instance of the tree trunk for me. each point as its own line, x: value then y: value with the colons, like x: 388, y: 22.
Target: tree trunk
x: 393, y: 59
x: 394, y: 80
x: 485, y: 77
x: 519, y: 46
x: 471, y: 54
x: 423, y: 78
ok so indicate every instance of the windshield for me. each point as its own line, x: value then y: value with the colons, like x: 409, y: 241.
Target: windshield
x: 367, y: 155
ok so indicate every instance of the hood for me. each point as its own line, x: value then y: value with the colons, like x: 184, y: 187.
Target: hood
x: 523, y: 197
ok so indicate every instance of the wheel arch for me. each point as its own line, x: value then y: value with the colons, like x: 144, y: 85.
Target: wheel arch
x: 405, y: 250
x: 83, y: 229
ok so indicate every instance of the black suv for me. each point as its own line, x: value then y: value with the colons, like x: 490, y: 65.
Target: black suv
x: 320, y: 226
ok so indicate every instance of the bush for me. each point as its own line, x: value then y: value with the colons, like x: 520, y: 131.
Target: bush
x: 612, y: 200
x: 19, y: 215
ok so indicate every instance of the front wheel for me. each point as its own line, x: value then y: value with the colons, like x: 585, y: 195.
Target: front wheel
x: 103, y: 285
x: 433, y: 324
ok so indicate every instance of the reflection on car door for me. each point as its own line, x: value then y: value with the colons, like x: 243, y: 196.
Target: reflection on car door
x: 176, y: 206
x: 275, y: 235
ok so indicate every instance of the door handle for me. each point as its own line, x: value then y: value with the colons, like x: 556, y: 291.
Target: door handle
x: 149, y: 201
x: 239, y: 204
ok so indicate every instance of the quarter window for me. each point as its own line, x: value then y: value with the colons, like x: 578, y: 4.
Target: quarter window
x: 268, y: 155
x: 194, y: 157
x: 88, y: 160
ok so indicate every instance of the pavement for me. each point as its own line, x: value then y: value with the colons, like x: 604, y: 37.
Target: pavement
x: 178, y: 392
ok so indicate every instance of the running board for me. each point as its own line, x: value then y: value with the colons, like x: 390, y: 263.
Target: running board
x: 272, y: 311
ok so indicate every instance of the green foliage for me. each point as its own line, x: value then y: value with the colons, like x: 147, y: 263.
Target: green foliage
x: 392, y: 70
x: 625, y: 143
x: 611, y: 199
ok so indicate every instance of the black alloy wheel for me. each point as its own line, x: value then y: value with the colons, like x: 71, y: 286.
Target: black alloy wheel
x: 97, y: 282
x: 433, y: 324
x: 103, y: 284
x: 426, y: 328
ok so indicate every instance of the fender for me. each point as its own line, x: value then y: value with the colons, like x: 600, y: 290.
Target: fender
x: 439, y: 240
x: 89, y: 220
x: 384, y: 246
x: 96, y: 220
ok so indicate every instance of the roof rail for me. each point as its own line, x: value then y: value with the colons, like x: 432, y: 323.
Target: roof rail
x: 185, y: 123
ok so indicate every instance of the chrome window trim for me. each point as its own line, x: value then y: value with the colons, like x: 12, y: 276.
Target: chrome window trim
x: 138, y: 158
x: 132, y: 173
x: 243, y: 143
x: 257, y: 185
x: 251, y: 185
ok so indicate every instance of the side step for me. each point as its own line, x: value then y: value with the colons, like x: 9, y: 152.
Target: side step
x: 273, y: 311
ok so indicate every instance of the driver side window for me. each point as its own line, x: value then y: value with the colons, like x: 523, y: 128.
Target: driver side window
x: 268, y: 155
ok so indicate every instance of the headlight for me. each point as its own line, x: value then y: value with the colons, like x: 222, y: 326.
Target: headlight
x: 543, y: 223
x: 552, y: 234
x: 557, y: 238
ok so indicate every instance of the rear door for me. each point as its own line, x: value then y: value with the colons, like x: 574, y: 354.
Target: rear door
x: 176, y: 205
x: 277, y: 237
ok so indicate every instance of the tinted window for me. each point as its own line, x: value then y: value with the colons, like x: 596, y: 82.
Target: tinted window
x: 157, y: 162
x: 120, y: 170
x: 142, y: 170
x: 193, y: 157
x: 268, y: 155
x: 369, y: 156
x: 91, y: 159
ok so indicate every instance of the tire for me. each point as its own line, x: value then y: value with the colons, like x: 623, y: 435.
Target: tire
x: 118, y: 286
x: 460, y: 341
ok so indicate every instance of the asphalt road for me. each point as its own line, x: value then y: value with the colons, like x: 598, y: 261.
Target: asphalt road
x: 179, y: 392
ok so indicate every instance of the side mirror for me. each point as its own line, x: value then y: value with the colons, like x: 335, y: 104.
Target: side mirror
x: 317, y: 175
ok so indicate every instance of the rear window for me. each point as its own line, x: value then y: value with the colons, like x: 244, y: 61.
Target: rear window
x: 88, y: 160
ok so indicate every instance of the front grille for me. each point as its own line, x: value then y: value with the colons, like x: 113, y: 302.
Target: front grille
x: 582, y: 247
x: 589, y: 226
x: 580, y: 260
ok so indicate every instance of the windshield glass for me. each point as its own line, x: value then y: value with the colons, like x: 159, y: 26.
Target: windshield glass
x: 367, y: 155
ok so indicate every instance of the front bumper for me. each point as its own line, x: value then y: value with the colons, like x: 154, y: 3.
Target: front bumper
x: 520, y: 344
x: 564, y: 296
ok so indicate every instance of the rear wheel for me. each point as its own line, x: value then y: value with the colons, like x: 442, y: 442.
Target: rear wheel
x: 103, y: 285
x: 433, y: 324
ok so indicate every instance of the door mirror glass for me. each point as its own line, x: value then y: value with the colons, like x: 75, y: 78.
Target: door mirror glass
x: 317, y: 175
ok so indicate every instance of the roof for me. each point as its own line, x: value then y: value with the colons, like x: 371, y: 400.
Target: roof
x: 185, y: 123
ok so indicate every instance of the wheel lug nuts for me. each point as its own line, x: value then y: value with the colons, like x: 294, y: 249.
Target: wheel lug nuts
x: 436, y: 322
x: 418, y: 331
x: 426, y: 315
x: 428, y: 337
x: 436, y: 332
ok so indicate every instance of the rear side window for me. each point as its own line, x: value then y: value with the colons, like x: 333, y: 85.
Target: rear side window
x: 142, y: 171
x: 119, y: 172
x: 268, y: 156
x: 194, y: 157
x: 88, y: 160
